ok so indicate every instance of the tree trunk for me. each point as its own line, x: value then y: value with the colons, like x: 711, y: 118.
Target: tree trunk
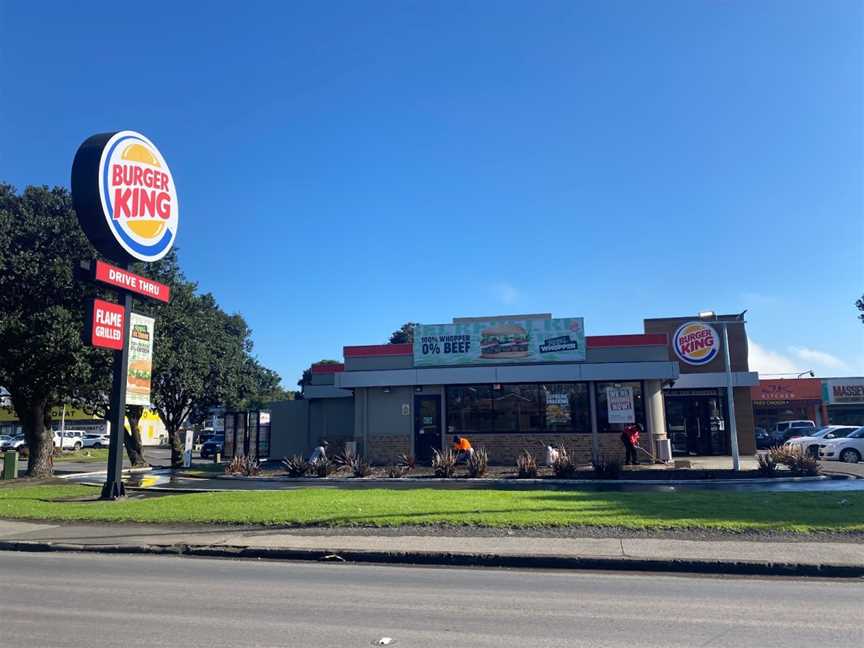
x: 177, y: 444
x: 33, y: 415
x: 132, y: 439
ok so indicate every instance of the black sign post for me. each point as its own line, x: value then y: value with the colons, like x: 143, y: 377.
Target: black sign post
x: 113, y: 487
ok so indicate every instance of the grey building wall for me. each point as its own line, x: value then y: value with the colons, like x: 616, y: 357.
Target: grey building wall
x: 288, y: 427
x: 298, y: 426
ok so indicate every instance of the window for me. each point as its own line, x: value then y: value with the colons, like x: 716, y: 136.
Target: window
x: 469, y: 409
x: 603, y: 423
x: 518, y: 408
x: 565, y: 407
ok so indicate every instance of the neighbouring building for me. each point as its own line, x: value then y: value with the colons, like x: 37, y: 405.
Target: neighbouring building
x: 843, y: 400
x: 788, y: 399
x: 510, y: 383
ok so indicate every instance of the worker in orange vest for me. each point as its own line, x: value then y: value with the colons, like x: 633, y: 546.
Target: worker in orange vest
x: 630, y: 439
x: 462, y: 448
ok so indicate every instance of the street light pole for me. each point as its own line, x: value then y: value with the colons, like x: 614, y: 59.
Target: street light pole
x: 730, y: 396
x: 730, y: 399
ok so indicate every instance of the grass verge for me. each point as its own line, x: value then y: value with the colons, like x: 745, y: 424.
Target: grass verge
x: 85, y: 455
x: 732, y: 512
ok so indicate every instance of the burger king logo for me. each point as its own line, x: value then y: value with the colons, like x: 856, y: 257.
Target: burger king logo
x: 696, y: 343
x: 139, y: 200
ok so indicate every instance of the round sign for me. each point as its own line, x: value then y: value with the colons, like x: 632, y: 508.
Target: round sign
x: 696, y: 343
x: 125, y: 197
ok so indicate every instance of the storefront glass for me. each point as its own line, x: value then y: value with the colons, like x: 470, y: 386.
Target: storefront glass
x: 696, y: 422
x: 603, y: 423
x: 518, y: 408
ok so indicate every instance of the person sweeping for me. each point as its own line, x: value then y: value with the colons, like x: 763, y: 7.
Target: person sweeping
x: 630, y: 439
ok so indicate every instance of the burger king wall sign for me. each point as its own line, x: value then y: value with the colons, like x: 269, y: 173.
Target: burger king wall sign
x: 125, y: 197
x: 696, y: 343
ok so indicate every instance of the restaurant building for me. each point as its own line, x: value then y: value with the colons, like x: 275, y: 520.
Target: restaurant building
x: 518, y: 382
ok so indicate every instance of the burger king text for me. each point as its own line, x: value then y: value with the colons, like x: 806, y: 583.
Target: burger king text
x: 691, y: 342
x: 140, y: 192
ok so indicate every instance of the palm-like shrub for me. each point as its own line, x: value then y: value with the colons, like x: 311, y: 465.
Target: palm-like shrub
x: 443, y: 463
x: 296, y: 466
x: 526, y: 465
x: 478, y: 462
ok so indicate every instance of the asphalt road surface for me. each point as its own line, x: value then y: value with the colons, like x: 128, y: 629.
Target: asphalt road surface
x: 83, y: 601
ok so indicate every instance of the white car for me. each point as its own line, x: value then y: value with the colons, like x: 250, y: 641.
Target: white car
x: 97, y: 440
x: 810, y: 444
x: 72, y: 440
x: 849, y: 449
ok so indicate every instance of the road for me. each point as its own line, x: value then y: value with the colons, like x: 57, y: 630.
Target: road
x: 80, y: 601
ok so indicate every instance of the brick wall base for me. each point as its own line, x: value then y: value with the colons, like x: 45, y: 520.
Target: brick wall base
x: 504, y: 448
x: 385, y: 450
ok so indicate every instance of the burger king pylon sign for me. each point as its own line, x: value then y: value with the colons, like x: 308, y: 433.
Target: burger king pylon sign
x: 125, y: 197
x: 126, y: 203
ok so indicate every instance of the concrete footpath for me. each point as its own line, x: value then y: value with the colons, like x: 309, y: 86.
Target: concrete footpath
x: 754, y: 557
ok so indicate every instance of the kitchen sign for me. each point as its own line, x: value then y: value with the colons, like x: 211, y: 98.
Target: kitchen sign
x: 500, y: 342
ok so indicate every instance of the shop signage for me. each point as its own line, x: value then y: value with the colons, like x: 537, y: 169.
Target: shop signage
x: 119, y: 278
x: 557, y: 407
x: 124, y: 196
x: 840, y: 391
x: 496, y: 342
x: 619, y: 402
x: 696, y: 343
x: 105, y: 325
x: 140, y: 360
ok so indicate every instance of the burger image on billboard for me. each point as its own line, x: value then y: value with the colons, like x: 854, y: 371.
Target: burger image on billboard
x: 140, y: 374
x: 503, y: 341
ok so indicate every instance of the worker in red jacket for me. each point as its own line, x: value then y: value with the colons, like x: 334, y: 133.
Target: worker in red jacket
x: 630, y: 439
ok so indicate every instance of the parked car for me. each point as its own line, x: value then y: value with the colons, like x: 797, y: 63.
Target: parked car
x: 72, y: 440
x: 785, y: 430
x: 212, y: 446
x: 810, y: 444
x: 763, y: 439
x: 11, y: 442
x: 97, y: 440
x: 849, y: 449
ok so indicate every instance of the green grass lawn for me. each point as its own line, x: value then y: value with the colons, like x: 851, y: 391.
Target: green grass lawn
x: 800, y: 512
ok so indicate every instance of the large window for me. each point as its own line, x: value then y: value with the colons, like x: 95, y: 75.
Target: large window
x: 522, y: 408
x: 620, y: 409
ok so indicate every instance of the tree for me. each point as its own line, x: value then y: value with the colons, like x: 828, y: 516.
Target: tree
x: 132, y: 436
x: 200, y: 355
x: 405, y: 334
x: 860, y: 305
x: 43, y: 358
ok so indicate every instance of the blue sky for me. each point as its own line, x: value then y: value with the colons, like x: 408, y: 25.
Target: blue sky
x: 344, y: 167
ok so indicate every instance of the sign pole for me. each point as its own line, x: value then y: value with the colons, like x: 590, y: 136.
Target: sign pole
x: 113, y: 488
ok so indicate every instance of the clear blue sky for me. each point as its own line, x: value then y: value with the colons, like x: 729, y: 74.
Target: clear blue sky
x: 344, y: 167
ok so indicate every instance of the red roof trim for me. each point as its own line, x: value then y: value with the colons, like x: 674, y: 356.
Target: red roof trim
x: 378, y: 350
x: 644, y: 339
x: 327, y: 367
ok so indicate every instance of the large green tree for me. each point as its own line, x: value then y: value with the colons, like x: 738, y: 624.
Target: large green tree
x: 42, y: 357
x: 405, y: 334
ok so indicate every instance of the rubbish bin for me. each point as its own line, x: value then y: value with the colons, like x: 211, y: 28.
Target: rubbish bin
x: 10, y: 464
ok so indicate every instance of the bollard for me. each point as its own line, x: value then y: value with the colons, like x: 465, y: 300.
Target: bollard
x: 10, y: 464
x: 217, y: 457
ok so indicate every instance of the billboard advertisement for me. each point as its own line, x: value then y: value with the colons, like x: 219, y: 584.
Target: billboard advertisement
x: 140, y: 360
x: 500, y: 342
